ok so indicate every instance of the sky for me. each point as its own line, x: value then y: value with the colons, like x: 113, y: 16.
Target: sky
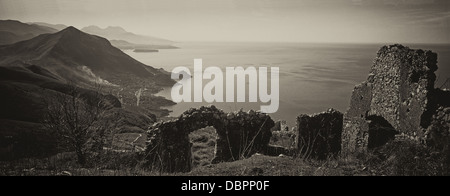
x: 324, y: 21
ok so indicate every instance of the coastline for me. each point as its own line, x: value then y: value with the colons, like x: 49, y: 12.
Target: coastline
x: 324, y: 74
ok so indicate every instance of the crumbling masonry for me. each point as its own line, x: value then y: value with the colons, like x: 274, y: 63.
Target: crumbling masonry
x: 319, y: 135
x: 240, y: 135
x: 398, y: 99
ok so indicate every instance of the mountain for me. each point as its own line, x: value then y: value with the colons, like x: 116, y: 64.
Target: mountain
x: 58, y: 27
x: 7, y: 37
x: 46, y: 64
x: 118, y: 33
x: 124, y: 45
x: 26, y: 91
x: 12, y: 31
x: 71, y: 54
x: 34, y: 71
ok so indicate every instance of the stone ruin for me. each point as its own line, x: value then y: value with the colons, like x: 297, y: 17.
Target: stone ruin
x: 240, y: 135
x: 437, y: 135
x: 319, y: 135
x: 398, y: 100
x: 280, y: 125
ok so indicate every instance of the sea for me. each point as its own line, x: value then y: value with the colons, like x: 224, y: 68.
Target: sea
x: 313, y: 77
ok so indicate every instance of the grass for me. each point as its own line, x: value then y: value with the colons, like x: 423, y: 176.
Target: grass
x: 257, y: 165
x: 397, y: 158
x: 407, y: 158
x: 108, y: 164
x: 125, y: 141
x: 127, y: 165
x: 203, y: 144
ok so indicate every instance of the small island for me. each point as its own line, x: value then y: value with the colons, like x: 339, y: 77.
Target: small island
x: 145, y: 50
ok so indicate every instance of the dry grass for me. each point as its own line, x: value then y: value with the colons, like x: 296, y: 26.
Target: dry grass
x: 257, y: 165
x: 203, y: 144
x: 396, y: 158
x: 407, y: 158
x: 261, y: 165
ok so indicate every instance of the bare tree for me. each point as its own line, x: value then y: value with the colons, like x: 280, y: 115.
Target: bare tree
x: 74, y: 116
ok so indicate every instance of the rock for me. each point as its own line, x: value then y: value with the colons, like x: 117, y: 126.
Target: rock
x: 277, y: 151
x: 277, y: 126
x: 257, y: 154
x: 64, y: 173
x: 447, y: 110
x: 29, y: 170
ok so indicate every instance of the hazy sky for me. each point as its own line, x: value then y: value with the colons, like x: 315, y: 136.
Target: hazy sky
x: 385, y: 21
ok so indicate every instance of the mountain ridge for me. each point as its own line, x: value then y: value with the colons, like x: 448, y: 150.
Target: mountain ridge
x: 13, y: 31
x: 36, y: 71
x: 119, y: 33
x: 71, y: 49
x: 58, y: 27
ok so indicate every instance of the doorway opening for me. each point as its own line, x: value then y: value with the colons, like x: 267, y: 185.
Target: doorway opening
x: 380, y: 131
x: 203, y: 146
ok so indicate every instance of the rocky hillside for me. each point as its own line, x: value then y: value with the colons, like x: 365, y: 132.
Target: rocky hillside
x: 74, y: 55
x: 34, y: 71
x: 12, y: 31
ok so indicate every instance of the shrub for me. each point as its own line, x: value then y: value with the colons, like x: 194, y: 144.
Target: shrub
x: 408, y: 158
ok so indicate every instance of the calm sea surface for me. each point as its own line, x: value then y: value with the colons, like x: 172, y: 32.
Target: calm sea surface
x: 313, y: 77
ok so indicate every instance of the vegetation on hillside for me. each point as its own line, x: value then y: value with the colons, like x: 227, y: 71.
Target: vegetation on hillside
x: 404, y: 158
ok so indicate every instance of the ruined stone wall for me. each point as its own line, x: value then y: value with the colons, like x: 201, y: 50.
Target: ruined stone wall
x: 355, y: 133
x: 397, y: 90
x: 438, y: 133
x: 240, y: 134
x: 319, y: 135
x: 402, y: 82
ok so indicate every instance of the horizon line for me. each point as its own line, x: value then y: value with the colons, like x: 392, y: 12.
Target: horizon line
x: 177, y: 41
